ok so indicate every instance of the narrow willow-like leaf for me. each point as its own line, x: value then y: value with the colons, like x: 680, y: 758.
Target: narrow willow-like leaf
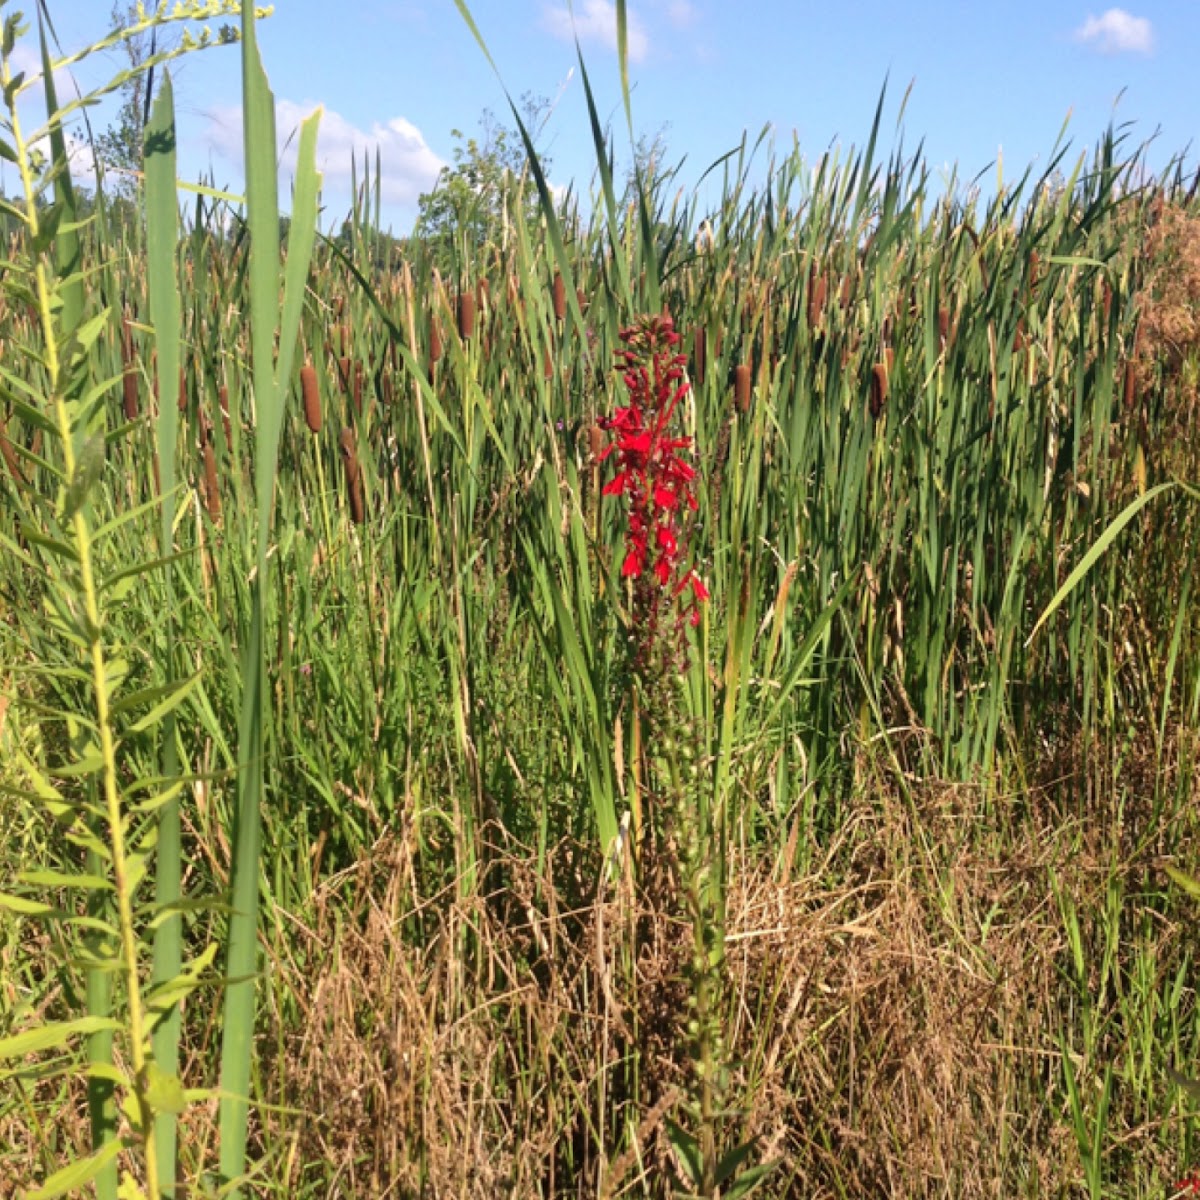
x: 79, y: 1174
x: 1089, y: 560
x: 67, y: 245
x: 52, y: 1036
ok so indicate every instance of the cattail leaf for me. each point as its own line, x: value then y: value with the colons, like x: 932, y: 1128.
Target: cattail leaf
x: 78, y: 1175
x: 301, y: 239
x: 1089, y: 560
x: 51, y: 1037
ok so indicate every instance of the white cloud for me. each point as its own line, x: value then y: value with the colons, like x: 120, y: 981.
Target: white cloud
x: 596, y: 21
x: 681, y: 14
x: 409, y: 166
x: 1117, y: 32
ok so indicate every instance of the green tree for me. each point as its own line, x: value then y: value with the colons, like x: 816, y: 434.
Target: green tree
x: 119, y: 147
x: 488, y: 184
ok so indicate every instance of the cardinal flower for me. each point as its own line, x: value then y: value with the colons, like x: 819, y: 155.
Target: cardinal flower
x: 654, y: 475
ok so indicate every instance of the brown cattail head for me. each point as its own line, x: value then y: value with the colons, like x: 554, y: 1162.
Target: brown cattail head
x: 312, y: 397
x: 879, y: 389
x: 560, y: 297
x: 344, y: 374
x: 818, y: 285
x: 581, y: 300
x: 741, y: 387
x: 1019, y: 339
x: 1106, y: 300
x: 354, y: 492
x: 9, y: 454
x: 129, y: 384
x: 1034, y: 264
x: 699, y: 354
x: 212, y: 491
x: 466, y: 316
x: 548, y: 364
x: 595, y: 443
x: 944, y: 326
x: 1129, y: 389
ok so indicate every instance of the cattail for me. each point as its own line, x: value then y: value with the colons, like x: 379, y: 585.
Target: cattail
x: 1034, y: 263
x: 595, y: 442
x: 353, y: 475
x: 466, y: 316
x: 741, y: 387
x: 581, y: 300
x: 879, y: 389
x: 560, y: 297
x: 817, y: 287
x: 1129, y: 388
x: 548, y: 364
x: 844, y: 292
x: 1107, y: 299
x: 944, y: 326
x: 344, y: 374
x: 212, y: 492
x: 1019, y: 340
x: 312, y: 397
x: 10, y: 456
x: 699, y: 354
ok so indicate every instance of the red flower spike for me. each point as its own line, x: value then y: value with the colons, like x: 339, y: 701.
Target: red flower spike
x: 653, y: 472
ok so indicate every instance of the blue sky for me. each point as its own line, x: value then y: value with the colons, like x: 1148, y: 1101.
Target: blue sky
x: 400, y: 75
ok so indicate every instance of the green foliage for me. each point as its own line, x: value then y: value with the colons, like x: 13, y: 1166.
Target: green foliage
x: 487, y: 189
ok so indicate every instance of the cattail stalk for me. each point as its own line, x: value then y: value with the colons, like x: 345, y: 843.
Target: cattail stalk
x: 354, y: 490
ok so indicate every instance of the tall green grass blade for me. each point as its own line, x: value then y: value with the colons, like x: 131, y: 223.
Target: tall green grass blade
x: 162, y: 231
x: 270, y: 383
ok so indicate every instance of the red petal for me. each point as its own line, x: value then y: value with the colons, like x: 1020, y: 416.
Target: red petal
x: 616, y: 485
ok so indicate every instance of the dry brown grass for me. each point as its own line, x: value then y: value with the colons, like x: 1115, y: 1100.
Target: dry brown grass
x: 895, y: 1012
